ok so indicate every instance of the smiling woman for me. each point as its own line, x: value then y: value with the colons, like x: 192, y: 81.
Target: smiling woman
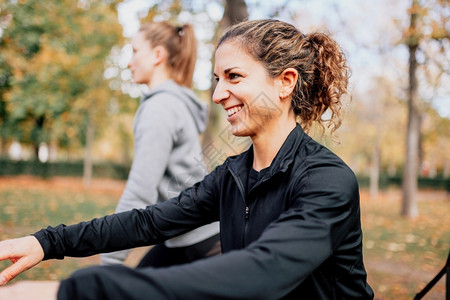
x: 284, y: 77
x: 288, y: 207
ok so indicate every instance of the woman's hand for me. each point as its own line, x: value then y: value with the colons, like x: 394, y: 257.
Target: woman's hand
x: 24, y: 252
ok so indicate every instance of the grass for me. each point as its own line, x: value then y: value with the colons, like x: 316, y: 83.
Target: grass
x: 29, y: 204
x: 401, y: 255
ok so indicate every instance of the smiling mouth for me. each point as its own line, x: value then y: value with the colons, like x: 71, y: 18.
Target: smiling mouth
x: 233, y: 110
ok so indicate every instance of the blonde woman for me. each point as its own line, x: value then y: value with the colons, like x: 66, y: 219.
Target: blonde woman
x: 167, y: 151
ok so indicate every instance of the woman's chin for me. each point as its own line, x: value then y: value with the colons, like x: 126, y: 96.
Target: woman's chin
x: 239, y: 131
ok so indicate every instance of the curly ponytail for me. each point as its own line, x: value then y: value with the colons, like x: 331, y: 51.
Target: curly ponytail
x: 319, y: 61
x: 322, y: 82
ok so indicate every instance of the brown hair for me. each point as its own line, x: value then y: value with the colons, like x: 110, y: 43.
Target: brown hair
x: 180, y: 43
x: 320, y: 63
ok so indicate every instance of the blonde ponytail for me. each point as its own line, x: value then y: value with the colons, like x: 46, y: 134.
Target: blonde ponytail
x: 181, y: 45
x: 183, y: 63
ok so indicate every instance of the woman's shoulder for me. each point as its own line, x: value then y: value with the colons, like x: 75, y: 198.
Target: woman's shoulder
x: 317, y: 160
x: 162, y: 105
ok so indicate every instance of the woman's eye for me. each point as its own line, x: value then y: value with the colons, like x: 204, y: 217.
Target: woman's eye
x: 233, y: 76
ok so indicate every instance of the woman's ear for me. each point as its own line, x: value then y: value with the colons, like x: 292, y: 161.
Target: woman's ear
x: 159, y: 55
x: 288, y: 80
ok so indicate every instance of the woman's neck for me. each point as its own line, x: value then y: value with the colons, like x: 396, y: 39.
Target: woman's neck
x: 159, y: 76
x: 267, y: 145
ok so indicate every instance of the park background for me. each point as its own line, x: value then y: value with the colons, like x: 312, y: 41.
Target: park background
x: 67, y: 103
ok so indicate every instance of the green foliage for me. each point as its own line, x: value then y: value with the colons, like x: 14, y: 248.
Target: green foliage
x: 386, y: 181
x: 5, y: 85
x: 66, y: 168
x: 58, y: 51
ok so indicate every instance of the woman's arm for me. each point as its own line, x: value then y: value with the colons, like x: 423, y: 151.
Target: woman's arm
x: 289, y: 250
x: 194, y: 207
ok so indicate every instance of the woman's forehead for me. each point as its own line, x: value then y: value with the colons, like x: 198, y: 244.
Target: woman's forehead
x: 231, y: 54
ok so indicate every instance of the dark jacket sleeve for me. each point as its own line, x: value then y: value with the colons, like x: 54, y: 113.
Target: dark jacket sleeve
x: 194, y: 207
x: 287, y: 252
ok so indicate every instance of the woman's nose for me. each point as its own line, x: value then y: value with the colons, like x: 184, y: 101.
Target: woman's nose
x: 220, y: 93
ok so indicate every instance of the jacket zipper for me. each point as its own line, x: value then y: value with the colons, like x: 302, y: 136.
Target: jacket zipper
x: 247, y: 208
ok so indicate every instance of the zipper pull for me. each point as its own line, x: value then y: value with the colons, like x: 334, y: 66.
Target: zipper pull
x: 247, y: 211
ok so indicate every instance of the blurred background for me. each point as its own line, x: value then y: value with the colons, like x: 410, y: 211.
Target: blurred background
x: 67, y: 103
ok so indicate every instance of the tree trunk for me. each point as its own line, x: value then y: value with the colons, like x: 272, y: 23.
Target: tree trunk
x: 374, y: 187
x: 409, y: 205
x: 375, y: 172
x: 36, y: 151
x: 36, y: 137
x: 87, y: 166
x: 420, y: 151
x: 3, y: 152
x: 446, y: 171
x: 235, y: 11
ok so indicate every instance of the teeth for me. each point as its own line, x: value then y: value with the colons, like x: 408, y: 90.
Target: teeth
x: 233, y: 110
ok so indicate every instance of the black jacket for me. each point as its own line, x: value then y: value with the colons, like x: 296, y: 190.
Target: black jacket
x: 295, y: 235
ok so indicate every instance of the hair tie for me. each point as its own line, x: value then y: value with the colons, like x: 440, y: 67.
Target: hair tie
x: 180, y: 30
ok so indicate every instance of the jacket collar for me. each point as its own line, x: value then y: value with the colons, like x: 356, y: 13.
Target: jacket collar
x: 241, y: 164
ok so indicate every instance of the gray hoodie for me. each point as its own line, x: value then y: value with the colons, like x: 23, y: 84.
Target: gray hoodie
x: 167, y: 156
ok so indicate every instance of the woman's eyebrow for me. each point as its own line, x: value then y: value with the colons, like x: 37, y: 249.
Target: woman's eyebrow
x: 226, y: 71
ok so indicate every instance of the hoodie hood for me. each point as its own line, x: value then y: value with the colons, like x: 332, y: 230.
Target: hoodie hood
x: 197, y: 109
